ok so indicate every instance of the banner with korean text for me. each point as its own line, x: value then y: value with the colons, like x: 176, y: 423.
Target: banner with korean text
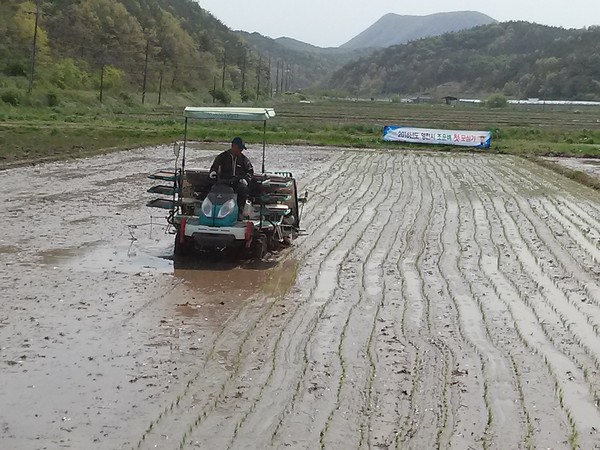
x: 478, y: 139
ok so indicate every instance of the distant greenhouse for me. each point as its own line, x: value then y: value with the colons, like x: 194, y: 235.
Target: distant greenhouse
x: 537, y: 101
x: 534, y: 102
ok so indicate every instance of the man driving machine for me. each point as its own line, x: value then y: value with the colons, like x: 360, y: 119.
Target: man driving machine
x: 233, y: 164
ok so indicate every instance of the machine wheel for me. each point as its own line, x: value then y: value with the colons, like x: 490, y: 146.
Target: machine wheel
x: 261, y: 247
x: 183, y: 248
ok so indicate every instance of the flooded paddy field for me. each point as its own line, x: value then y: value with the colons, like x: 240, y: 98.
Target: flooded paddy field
x: 435, y: 301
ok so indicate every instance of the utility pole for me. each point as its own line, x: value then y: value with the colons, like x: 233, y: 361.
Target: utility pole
x: 101, y: 82
x: 277, y: 79
x: 244, y: 72
x: 145, y: 71
x: 287, y: 78
x: 160, y: 82
x: 224, y: 63
x: 269, y: 79
x: 258, y: 77
x: 214, y: 88
x: 33, y: 47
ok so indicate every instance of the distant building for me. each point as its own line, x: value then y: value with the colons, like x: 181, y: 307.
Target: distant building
x: 422, y: 99
x: 450, y: 100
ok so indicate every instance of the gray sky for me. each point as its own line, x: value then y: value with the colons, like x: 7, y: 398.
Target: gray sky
x: 329, y: 23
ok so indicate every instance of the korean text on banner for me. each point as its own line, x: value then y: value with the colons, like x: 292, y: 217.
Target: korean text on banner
x: 478, y: 139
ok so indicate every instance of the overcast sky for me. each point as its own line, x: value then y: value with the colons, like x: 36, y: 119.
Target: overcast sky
x: 329, y: 23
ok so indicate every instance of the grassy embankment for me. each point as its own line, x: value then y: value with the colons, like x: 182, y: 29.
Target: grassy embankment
x: 83, y: 128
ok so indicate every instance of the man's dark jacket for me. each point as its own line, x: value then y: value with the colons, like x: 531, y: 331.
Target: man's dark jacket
x: 224, y: 165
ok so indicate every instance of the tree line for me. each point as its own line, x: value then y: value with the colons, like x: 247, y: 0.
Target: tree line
x: 131, y: 44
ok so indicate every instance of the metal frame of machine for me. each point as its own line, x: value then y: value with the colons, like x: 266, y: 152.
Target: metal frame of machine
x: 274, y: 217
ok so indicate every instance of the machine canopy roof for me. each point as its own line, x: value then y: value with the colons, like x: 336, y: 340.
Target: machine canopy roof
x: 223, y: 113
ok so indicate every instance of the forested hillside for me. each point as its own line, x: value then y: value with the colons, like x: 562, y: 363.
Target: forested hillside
x: 128, y: 44
x: 519, y: 59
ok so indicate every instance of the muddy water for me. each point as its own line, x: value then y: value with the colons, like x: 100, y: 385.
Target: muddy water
x: 447, y: 301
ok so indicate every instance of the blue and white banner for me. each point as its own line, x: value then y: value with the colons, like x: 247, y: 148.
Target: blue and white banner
x: 478, y: 139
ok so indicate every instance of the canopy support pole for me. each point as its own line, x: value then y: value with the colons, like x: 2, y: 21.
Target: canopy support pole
x: 264, y: 144
x: 184, y: 145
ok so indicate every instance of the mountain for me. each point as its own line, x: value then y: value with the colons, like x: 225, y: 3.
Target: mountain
x: 308, y: 65
x: 393, y: 29
x: 520, y: 59
x: 294, y: 44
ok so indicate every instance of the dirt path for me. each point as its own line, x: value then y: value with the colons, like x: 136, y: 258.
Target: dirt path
x: 437, y: 301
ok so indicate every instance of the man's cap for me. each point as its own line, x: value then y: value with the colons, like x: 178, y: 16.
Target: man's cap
x: 238, y: 141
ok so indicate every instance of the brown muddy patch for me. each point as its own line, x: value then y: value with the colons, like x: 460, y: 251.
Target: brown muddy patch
x: 124, y: 256
x: 214, y: 294
x: 218, y: 288
x: 56, y: 256
x: 6, y: 249
x: 83, y: 220
x: 133, y: 178
x: 281, y: 278
x: 65, y: 197
x: 235, y: 281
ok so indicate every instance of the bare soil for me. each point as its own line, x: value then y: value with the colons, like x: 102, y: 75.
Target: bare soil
x: 435, y: 301
x: 589, y: 166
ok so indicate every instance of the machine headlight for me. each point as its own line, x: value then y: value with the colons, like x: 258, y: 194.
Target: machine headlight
x: 226, y: 209
x: 207, y: 208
